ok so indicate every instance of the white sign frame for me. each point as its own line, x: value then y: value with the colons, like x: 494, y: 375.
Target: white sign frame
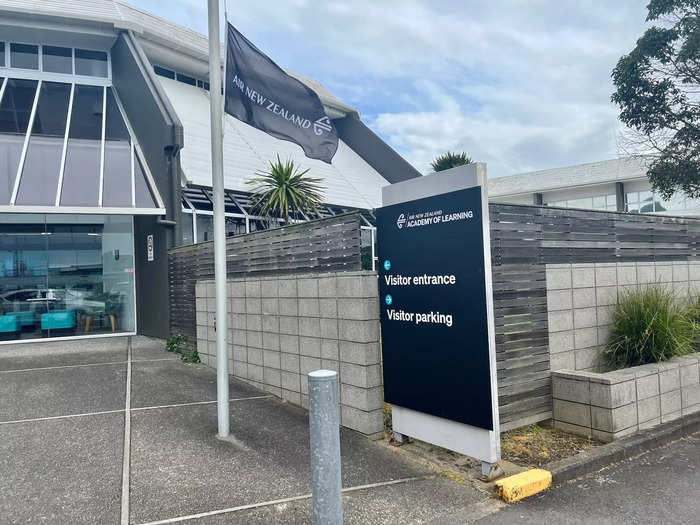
x: 476, y: 442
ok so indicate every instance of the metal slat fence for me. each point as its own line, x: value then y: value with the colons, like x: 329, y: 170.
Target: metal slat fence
x: 323, y: 245
x: 524, y: 239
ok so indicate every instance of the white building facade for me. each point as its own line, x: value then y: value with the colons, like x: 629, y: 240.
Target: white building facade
x: 611, y: 185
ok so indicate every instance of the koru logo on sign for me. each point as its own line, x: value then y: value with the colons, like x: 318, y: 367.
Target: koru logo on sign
x: 401, y: 221
x: 321, y: 125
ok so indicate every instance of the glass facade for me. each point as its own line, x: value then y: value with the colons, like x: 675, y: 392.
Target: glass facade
x: 599, y: 202
x: 78, y: 150
x: 24, y: 56
x: 66, y: 275
x: 650, y: 202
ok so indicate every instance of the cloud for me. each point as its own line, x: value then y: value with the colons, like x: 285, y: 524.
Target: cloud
x: 519, y: 85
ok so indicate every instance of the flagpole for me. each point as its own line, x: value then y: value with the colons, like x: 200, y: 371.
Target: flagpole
x: 217, y: 173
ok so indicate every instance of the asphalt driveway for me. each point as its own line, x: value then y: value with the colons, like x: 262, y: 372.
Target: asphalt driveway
x: 67, y: 410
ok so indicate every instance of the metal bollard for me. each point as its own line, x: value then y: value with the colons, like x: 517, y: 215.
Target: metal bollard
x: 324, y: 423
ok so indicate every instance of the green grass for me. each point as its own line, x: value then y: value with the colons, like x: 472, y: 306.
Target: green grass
x: 650, y: 326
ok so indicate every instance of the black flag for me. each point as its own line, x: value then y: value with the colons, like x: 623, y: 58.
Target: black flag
x: 261, y: 94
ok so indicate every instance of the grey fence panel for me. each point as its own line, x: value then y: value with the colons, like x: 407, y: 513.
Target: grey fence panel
x: 524, y: 239
x: 324, y: 245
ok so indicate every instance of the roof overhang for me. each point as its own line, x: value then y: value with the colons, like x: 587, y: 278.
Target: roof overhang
x: 85, y: 210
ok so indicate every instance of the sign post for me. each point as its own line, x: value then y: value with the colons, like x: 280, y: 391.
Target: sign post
x: 437, y: 319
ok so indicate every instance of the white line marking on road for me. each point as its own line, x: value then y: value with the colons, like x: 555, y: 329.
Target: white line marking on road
x: 279, y: 501
x: 198, y: 403
x: 126, y: 463
x: 87, y: 364
x: 68, y: 416
x: 50, y: 418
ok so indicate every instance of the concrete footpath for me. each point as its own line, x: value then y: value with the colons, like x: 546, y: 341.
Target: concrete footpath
x: 68, y: 409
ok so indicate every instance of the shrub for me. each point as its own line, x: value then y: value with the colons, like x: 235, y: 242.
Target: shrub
x: 648, y: 327
x: 192, y: 356
x: 176, y: 343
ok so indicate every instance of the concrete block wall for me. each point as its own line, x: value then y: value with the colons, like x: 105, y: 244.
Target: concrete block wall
x: 611, y: 405
x: 283, y: 327
x: 581, y: 299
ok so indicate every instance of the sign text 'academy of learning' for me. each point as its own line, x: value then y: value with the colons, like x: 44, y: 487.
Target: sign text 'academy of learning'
x: 433, y: 295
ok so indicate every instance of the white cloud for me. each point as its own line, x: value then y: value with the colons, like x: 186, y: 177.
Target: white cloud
x: 519, y: 84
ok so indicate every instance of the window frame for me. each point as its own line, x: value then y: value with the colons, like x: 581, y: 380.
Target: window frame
x: 40, y: 74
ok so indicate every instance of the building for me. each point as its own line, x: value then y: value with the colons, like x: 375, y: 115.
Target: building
x: 105, y: 164
x: 612, y: 185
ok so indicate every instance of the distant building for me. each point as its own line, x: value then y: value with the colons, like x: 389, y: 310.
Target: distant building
x: 612, y: 185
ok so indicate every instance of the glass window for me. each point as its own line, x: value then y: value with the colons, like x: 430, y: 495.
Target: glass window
x: 164, y: 72
x: 90, y: 63
x: 117, y: 163
x: 56, y: 59
x: 23, y: 272
x: 142, y: 195
x: 586, y: 202
x: 186, y: 79
x: 187, y: 228
x: 692, y: 204
x: 42, y: 163
x: 65, y: 275
x: 15, y: 109
x: 205, y: 228
x: 675, y: 203
x: 24, y: 56
x: 646, y: 202
x: 81, y: 177
x: 2, y: 54
x: 599, y: 202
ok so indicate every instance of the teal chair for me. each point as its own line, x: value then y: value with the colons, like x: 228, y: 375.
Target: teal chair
x: 9, y: 326
x: 58, y: 320
x: 26, y: 318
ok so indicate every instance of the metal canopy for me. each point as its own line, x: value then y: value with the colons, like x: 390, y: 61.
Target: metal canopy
x: 69, y: 148
x: 240, y: 204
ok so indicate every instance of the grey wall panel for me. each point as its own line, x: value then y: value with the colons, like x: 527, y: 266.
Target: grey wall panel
x: 159, y: 133
x: 156, y: 125
x: 152, y: 305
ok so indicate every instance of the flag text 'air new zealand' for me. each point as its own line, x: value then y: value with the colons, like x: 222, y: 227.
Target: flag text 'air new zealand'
x: 259, y: 93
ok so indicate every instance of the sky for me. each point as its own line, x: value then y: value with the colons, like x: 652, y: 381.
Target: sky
x: 522, y: 85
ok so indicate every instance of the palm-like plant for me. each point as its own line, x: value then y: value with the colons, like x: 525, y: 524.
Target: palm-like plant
x: 450, y: 160
x: 285, y: 190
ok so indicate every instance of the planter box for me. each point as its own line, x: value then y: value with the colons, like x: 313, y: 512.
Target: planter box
x: 608, y: 406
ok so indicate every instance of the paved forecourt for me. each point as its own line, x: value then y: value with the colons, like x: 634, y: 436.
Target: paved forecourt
x: 67, y: 409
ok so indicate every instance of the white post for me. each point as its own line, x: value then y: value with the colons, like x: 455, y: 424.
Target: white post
x: 217, y: 174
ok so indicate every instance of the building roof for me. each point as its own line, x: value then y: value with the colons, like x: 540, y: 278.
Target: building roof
x: 348, y: 181
x: 164, y: 34
x: 606, y: 171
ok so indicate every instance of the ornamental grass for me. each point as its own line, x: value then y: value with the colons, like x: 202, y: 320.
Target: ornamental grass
x: 649, y: 326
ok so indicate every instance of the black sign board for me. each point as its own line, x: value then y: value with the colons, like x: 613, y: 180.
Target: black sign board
x: 432, y: 287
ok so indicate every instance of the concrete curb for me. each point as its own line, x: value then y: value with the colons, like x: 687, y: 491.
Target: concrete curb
x: 639, y: 442
x: 514, y: 488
